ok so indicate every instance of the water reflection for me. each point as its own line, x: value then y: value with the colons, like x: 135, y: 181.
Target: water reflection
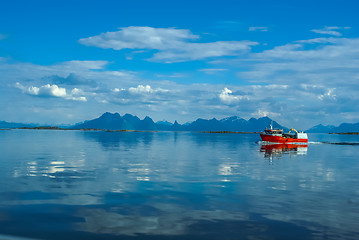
x: 119, y: 139
x: 169, y: 220
x: 277, y: 150
x: 176, y: 184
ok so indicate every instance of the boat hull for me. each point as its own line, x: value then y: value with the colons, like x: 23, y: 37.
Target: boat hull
x: 280, y: 139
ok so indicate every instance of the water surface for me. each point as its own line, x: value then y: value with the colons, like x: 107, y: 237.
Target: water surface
x: 176, y: 185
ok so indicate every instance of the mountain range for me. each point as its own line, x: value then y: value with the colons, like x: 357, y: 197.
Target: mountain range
x: 4, y: 124
x: 114, y: 121
x: 342, y: 128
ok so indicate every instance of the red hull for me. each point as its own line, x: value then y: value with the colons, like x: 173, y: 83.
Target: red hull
x: 279, y: 139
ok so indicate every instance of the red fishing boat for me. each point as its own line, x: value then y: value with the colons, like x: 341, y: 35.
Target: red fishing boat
x: 278, y: 136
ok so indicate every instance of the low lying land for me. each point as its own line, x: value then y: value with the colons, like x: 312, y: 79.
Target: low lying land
x: 231, y: 132
x: 124, y: 130
x: 120, y: 130
x: 348, y: 133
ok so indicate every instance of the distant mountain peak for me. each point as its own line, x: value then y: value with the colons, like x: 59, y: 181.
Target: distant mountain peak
x: 320, y: 128
x: 130, y: 122
x: 114, y: 121
x: 108, y: 114
x: 231, y: 118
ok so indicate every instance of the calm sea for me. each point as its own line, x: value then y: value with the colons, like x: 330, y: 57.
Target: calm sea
x: 176, y: 185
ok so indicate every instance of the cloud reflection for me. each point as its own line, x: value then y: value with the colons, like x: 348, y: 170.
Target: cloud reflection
x: 169, y: 183
x: 173, y: 220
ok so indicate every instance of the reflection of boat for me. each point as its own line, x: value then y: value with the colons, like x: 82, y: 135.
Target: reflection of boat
x: 277, y: 136
x: 278, y: 149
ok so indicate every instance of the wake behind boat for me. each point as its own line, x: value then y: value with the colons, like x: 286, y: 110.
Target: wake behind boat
x: 277, y: 136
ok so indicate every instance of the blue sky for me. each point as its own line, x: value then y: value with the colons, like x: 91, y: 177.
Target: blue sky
x: 63, y: 62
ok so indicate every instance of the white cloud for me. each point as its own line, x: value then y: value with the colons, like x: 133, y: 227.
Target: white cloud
x: 321, y: 75
x: 196, y: 51
x: 319, y: 40
x: 261, y: 29
x: 140, y: 89
x: 324, y: 63
x: 46, y: 90
x: 87, y: 65
x: 82, y: 99
x: 330, y: 30
x: 28, y: 71
x: 140, y: 38
x: 227, y: 97
x: 52, y: 91
x: 76, y: 92
x: 173, y: 45
x: 288, y: 83
x: 142, y: 94
x: 116, y: 90
x: 264, y: 113
x: 90, y: 76
x: 328, y: 95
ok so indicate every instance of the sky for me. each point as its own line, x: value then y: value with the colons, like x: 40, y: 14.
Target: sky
x: 63, y: 62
